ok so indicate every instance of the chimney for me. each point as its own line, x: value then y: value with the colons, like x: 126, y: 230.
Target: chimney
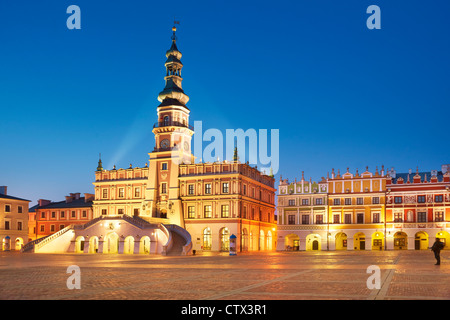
x: 445, y: 168
x: 446, y: 177
x: 88, y: 197
x: 69, y: 198
x: 43, y: 202
x: 392, y: 173
x: 3, y: 190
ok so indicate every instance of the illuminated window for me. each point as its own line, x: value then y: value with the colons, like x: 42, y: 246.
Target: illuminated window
x: 191, y: 212
x: 191, y: 189
x: 207, y: 239
x: 225, y: 239
x: 121, y: 192
x: 439, y: 216
x: 207, y: 212
x: 208, y: 188
x: 225, y: 211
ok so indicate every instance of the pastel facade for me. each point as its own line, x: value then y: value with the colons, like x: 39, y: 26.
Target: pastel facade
x: 418, y: 208
x: 356, y: 208
x: 13, y: 221
x: 224, y: 198
x: 50, y: 217
x: 368, y: 211
x: 302, y: 214
x: 120, y: 191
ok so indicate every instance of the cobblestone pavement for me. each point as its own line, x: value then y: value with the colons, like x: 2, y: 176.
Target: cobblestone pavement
x: 405, y: 275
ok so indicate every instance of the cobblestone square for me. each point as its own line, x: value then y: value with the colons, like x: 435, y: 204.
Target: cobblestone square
x: 405, y: 275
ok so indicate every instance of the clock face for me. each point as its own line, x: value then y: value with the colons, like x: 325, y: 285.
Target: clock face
x: 186, y: 146
x: 164, y: 144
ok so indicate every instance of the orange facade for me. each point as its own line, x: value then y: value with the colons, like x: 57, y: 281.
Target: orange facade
x: 51, y: 217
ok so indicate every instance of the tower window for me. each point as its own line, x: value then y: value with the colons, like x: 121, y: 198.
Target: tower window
x: 166, y: 120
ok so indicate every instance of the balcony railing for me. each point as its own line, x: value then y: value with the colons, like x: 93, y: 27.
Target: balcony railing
x: 173, y: 124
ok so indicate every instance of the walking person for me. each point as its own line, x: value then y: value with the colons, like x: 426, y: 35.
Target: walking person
x: 436, y: 248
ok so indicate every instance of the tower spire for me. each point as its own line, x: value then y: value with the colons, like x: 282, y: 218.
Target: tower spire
x: 173, y: 93
x: 99, y: 166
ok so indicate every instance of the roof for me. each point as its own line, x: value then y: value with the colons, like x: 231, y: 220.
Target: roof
x: 75, y: 203
x: 172, y: 102
x: 404, y: 176
x: 3, y: 196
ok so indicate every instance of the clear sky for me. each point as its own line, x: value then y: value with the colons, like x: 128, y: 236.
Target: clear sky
x: 340, y: 94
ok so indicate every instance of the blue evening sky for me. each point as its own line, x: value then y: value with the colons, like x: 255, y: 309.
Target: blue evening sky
x: 340, y: 94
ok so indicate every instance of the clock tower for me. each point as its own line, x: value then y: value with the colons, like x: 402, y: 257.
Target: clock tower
x: 173, y: 136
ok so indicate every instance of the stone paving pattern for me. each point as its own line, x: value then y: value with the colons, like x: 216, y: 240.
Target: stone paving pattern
x: 333, y: 275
